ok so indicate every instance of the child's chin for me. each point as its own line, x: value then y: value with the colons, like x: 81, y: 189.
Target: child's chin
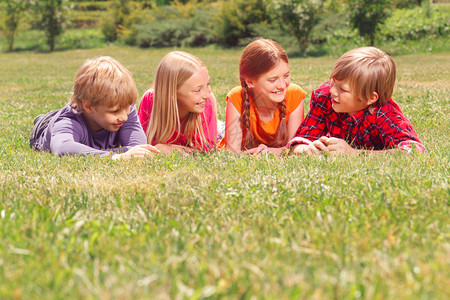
x: 278, y: 99
x: 112, y: 129
x: 335, y: 108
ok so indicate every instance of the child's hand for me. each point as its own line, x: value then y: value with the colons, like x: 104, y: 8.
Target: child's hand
x: 263, y: 149
x: 305, y: 149
x: 337, y: 146
x: 309, y: 147
x: 137, y: 151
x: 169, y: 149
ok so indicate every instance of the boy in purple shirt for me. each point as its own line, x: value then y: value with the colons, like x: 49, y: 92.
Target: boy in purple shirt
x: 100, y: 119
x: 354, y: 112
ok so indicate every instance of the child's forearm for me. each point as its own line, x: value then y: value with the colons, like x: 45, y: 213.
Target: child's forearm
x: 63, y: 148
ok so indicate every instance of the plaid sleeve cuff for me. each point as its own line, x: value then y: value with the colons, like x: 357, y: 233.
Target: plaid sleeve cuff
x: 298, y: 140
x: 409, y: 145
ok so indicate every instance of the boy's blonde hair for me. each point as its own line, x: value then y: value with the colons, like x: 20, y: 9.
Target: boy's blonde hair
x: 368, y: 70
x: 175, y: 68
x: 103, y: 81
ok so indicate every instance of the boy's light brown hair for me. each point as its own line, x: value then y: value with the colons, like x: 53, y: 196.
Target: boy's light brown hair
x: 368, y: 70
x: 103, y: 81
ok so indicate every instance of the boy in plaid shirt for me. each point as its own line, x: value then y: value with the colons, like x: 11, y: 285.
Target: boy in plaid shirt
x: 354, y: 112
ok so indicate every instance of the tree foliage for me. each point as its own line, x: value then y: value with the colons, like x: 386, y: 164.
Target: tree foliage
x: 119, y: 18
x: 297, y: 17
x: 186, y: 25
x: 13, y: 10
x: 367, y: 16
x: 235, y: 17
x: 52, y: 15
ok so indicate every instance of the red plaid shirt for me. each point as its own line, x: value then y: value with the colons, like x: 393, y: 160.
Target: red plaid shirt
x: 385, y: 128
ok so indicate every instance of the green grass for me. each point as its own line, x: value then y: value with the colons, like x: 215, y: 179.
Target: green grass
x: 221, y: 226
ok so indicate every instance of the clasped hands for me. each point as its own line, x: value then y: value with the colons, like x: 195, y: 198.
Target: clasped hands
x: 331, y: 145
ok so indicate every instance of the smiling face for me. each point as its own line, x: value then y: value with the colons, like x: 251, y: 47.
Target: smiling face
x: 104, y: 117
x: 272, y: 85
x: 344, y: 99
x: 193, y: 93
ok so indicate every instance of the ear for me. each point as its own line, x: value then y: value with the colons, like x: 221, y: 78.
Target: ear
x: 250, y: 83
x: 373, y: 98
x: 87, y: 107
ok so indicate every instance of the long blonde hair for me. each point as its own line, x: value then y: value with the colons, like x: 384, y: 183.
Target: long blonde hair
x: 174, y: 69
x: 259, y: 57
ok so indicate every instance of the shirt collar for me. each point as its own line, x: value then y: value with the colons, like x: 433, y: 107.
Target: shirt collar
x: 356, y: 118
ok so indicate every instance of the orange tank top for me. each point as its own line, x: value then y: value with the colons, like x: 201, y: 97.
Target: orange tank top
x: 265, y: 132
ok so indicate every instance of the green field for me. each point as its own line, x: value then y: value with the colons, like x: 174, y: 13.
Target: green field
x: 222, y: 226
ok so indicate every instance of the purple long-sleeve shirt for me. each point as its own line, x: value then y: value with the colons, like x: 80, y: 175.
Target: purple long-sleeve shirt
x: 68, y: 134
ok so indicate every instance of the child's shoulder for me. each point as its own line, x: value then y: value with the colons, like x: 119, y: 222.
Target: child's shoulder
x: 294, y: 86
x: 296, y: 89
x: 68, y: 120
x: 235, y: 97
x: 68, y: 112
x: 148, y: 95
x: 146, y: 103
x: 322, y: 94
x: 209, y: 105
x: 387, y: 110
x: 234, y: 92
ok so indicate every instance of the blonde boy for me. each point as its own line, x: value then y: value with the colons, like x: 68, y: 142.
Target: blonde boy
x: 354, y: 112
x: 100, y: 119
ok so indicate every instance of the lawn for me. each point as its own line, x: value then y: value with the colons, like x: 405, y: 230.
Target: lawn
x: 222, y: 226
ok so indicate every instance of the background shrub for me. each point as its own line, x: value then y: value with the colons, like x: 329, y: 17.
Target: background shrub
x: 81, y: 39
x: 122, y: 17
x: 235, y: 20
x: 174, y: 26
x: 418, y: 22
x: 189, y: 23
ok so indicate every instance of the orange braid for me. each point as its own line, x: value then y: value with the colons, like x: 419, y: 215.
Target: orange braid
x: 247, y: 143
x: 281, y: 137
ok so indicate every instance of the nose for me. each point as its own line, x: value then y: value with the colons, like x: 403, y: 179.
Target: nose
x: 333, y: 90
x: 124, y: 114
x: 206, y: 92
x: 282, y: 84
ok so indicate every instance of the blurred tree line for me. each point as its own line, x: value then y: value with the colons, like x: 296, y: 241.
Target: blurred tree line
x: 305, y: 25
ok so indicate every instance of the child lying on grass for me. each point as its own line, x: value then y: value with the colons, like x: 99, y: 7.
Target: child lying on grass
x: 264, y: 112
x: 101, y: 118
x: 180, y: 113
x: 354, y: 112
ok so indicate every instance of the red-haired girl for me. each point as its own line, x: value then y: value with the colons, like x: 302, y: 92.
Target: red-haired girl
x: 264, y: 113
